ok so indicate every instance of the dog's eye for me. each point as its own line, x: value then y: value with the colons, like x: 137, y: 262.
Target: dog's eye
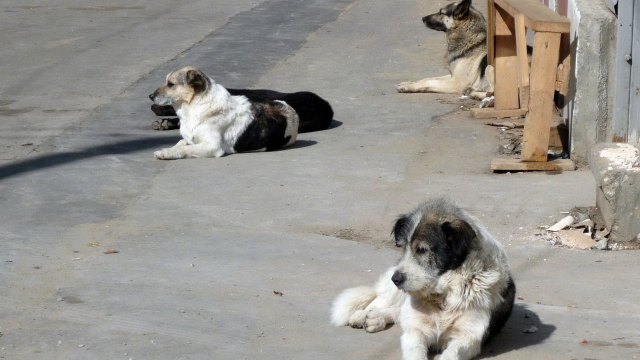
x: 170, y: 84
x: 421, y: 250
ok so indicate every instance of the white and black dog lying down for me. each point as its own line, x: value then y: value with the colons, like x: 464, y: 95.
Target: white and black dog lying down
x: 449, y: 293
x: 214, y: 123
x: 315, y: 113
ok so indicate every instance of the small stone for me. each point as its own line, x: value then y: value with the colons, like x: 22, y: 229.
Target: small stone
x: 60, y: 299
x: 601, y: 245
x: 81, y: 345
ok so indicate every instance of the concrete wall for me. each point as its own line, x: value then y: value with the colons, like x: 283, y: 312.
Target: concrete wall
x: 593, y: 45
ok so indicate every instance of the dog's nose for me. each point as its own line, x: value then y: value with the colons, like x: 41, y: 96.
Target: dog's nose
x: 151, y: 96
x: 398, y: 278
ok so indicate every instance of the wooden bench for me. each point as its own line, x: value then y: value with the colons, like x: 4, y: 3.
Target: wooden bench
x: 520, y: 90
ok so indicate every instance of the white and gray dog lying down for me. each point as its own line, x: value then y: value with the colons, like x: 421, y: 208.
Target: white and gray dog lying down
x: 213, y: 122
x: 449, y: 293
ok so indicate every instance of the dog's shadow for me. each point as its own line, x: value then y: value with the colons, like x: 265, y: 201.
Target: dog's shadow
x: 514, y: 337
x: 299, y: 144
x: 334, y: 124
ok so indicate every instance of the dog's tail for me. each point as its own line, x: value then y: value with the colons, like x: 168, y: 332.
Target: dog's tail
x: 350, y: 301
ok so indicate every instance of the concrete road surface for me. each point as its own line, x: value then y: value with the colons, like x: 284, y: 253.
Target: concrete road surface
x: 240, y: 257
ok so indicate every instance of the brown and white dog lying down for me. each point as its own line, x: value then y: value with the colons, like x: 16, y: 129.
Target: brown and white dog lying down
x: 450, y: 292
x: 466, y: 56
x: 315, y: 113
x: 214, y: 123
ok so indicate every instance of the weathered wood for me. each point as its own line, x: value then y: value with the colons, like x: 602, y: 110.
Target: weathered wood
x: 564, y: 68
x: 500, y: 164
x: 491, y: 19
x: 546, y: 51
x: 506, y: 62
x: 523, y: 61
x: 620, y: 126
x: 634, y: 101
x: 492, y: 113
x: 537, y: 16
x: 558, y: 134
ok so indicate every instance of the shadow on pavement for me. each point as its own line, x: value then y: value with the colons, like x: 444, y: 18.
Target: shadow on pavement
x: 57, y: 159
x: 334, y: 124
x: 513, y: 336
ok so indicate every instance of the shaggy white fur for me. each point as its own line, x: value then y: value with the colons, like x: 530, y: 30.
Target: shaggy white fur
x: 449, y: 312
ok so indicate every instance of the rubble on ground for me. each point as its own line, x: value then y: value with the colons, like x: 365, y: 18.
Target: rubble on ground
x: 583, y: 229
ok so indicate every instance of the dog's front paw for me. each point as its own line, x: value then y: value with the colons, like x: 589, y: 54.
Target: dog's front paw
x: 356, y: 320
x: 405, y: 87
x: 374, y: 322
x: 166, y: 124
x: 166, y: 154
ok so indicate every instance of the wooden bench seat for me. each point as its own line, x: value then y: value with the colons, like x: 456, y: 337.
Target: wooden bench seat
x: 537, y: 16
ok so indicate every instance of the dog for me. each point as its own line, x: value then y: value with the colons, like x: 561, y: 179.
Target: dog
x: 466, y: 56
x: 214, y: 123
x: 451, y: 291
x: 315, y: 113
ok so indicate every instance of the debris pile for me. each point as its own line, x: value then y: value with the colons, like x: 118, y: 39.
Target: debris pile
x: 580, y: 229
x: 583, y: 228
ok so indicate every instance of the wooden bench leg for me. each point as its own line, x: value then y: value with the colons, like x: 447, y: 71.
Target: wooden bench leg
x: 491, y: 20
x: 506, y: 62
x: 546, y: 52
x: 523, y: 61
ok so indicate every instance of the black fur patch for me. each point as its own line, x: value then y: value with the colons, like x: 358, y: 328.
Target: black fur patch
x: 449, y: 243
x: 462, y: 10
x: 267, y: 129
x: 459, y: 236
x: 402, y: 230
x: 315, y: 113
x: 501, y: 314
x: 433, y: 22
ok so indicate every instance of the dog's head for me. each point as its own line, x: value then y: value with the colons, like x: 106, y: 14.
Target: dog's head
x: 449, y: 16
x: 181, y: 86
x: 431, y: 248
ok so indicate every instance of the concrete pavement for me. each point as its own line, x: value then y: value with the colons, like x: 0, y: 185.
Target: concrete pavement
x: 203, y: 244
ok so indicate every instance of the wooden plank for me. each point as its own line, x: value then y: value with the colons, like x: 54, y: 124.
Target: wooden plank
x: 564, y: 68
x: 546, y: 51
x: 634, y: 101
x: 523, y: 61
x: 499, y: 164
x: 537, y: 16
x: 506, y: 87
x: 558, y: 134
x: 492, y: 113
x: 491, y: 20
x: 622, y: 94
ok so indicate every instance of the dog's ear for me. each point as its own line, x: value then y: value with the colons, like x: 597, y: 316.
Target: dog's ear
x: 462, y: 10
x: 196, y: 80
x: 459, y: 235
x: 402, y: 230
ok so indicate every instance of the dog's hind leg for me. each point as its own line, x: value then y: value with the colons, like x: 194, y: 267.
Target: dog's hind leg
x: 484, y: 87
x: 350, y: 302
